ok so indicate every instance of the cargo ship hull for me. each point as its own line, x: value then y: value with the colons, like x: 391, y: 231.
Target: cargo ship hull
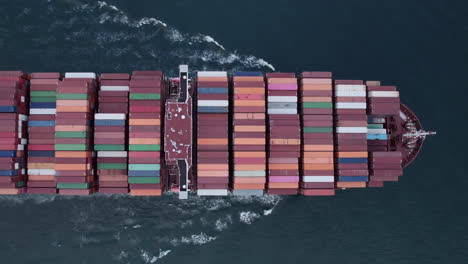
x: 212, y: 133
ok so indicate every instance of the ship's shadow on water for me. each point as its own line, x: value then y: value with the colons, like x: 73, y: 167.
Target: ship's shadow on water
x: 122, y: 228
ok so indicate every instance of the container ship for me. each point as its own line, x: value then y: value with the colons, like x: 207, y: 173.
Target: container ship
x: 206, y: 133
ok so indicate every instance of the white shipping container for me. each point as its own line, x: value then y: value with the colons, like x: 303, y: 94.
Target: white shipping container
x: 318, y: 178
x: 351, y: 130
x: 23, y: 117
x: 376, y: 131
x: 212, y: 192
x: 115, y: 88
x: 251, y: 173
x: 212, y: 74
x: 117, y: 154
x: 91, y: 75
x: 41, y: 171
x: 42, y: 111
x: 250, y: 192
x: 213, y: 103
x: 286, y: 99
x: 384, y: 94
x: 109, y: 116
x: 351, y: 93
x: 20, y: 147
x: 350, y: 87
x: 282, y: 111
x: 351, y: 105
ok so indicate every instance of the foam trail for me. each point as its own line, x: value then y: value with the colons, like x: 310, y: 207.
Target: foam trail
x: 175, y: 35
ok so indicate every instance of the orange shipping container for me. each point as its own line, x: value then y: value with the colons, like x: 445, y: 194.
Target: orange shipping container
x: 213, y: 167
x: 282, y: 80
x: 144, y: 141
x: 72, y: 154
x: 41, y: 177
x: 144, y: 122
x: 247, y: 167
x: 41, y: 166
x: 249, y: 128
x: 249, y: 90
x: 204, y: 173
x: 317, y: 160
x: 71, y: 166
x: 318, y: 147
x: 317, y: 154
x: 249, y: 186
x: 285, y: 141
x: 318, y: 167
x: 248, y: 78
x: 316, y: 87
x: 249, y: 103
x: 281, y: 185
x: 259, y: 116
x: 249, y: 141
x: 145, y: 192
x: 351, y: 184
x: 72, y: 128
x: 113, y: 178
x: 10, y: 191
x: 249, y: 154
x: 316, y: 81
x: 212, y: 79
x: 72, y: 109
x: 360, y: 154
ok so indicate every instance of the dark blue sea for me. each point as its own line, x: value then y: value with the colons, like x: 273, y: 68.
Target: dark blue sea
x: 420, y: 46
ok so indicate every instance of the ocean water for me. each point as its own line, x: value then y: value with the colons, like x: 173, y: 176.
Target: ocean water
x: 420, y: 46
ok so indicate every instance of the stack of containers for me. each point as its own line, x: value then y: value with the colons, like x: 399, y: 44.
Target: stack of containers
x: 110, y: 133
x: 41, y: 149
x: 351, y: 134
x: 249, y: 133
x: 13, y: 136
x: 144, y: 163
x: 284, y: 134
x: 384, y: 166
x: 212, y: 133
x: 317, y: 132
x: 382, y: 102
x: 74, y: 168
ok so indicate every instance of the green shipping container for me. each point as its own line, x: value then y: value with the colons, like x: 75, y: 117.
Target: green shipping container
x: 71, y: 147
x: 65, y: 134
x: 318, y: 130
x: 317, y: 105
x: 45, y: 99
x: 42, y: 93
x: 144, y: 147
x: 72, y: 96
x: 73, y: 185
x: 109, y: 147
x: 143, y: 180
x: 112, y: 166
x: 375, y: 126
x: 145, y: 96
x: 144, y: 167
